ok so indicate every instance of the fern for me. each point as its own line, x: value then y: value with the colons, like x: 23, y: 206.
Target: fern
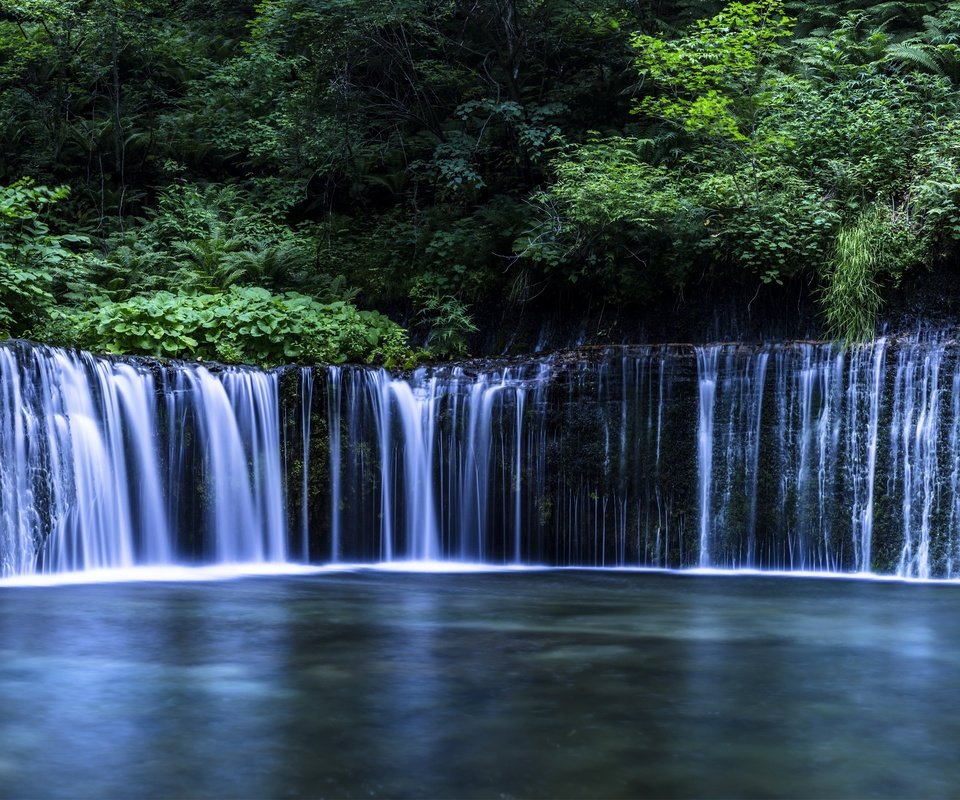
x: 900, y: 10
x: 910, y: 53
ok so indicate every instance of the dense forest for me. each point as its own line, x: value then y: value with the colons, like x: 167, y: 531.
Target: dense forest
x: 376, y: 180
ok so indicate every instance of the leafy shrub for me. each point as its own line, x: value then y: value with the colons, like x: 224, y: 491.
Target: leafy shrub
x: 782, y: 229
x: 935, y: 189
x: 204, y: 241
x: 32, y: 259
x: 608, y: 215
x: 241, y: 324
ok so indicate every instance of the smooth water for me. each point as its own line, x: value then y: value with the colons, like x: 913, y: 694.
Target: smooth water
x: 513, y: 684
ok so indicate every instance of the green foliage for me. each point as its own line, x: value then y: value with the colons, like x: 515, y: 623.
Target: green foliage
x: 876, y: 247
x: 608, y: 182
x: 857, y: 138
x: 205, y: 240
x: 448, y: 322
x: 787, y: 137
x: 241, y: 325
x: 608, y: 199
x: 852, y: 297
x: 440, y: 159
x: 935, y: 189
x: 712, y: 75
x: 34, y: 263
x: 783, y: 231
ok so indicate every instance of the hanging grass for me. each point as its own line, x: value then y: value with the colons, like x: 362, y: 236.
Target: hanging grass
x: 875, y: 249
x: 851, y: 299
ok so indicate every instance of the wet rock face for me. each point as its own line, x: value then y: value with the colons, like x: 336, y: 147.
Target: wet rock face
x: 797, y: 456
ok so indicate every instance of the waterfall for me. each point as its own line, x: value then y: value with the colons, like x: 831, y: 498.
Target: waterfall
x: 306, y: 427
x: 794, y: 456
x: 107, y: 463
x: 918, y: 429
x: 439, y: 459
x: 864, y: 392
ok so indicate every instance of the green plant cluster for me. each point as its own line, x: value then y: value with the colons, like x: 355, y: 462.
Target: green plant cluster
x: 448, y: 163
x: 779, y: 149
x: 32, y: 260
x: 241, y: 325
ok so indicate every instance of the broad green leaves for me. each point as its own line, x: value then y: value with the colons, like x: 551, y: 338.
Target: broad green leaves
x: 248, y: 325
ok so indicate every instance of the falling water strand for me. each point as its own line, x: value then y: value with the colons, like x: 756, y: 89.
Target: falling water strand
x: 416, y: 412
x: 517, y: 469
x: 334, y: 395
x: 107, y: 463
x: 953, y: 554
x: 707, y: 358
x: 864, y: 520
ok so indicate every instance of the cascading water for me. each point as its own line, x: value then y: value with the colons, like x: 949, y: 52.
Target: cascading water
x: 102, y: 465
x: 799, y: 456
x: 863, y: 393
x: 431, y: 465
x: 707, y: 385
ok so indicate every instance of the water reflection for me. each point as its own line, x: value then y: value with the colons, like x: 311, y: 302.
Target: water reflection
x: 480, y: 685
x: 172, y: 692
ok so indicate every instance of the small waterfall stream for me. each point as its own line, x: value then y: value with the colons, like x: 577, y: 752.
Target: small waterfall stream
x: 107, y: 463
x: 797, y: 456
x: 707, y: 358
x: 429, y: 466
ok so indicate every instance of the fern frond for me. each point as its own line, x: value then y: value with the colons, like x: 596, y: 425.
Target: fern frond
x: 905, y: 52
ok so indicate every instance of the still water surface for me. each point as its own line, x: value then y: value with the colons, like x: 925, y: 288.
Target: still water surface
x: 516, y: 684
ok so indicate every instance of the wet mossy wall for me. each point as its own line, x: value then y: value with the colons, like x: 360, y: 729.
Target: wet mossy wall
x: 606, y: 453
x: 820, y: 458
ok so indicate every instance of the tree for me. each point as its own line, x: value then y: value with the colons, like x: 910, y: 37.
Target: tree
x: 713, y: 77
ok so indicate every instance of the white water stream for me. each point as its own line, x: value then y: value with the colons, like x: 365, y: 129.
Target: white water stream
x: 797, y: 457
